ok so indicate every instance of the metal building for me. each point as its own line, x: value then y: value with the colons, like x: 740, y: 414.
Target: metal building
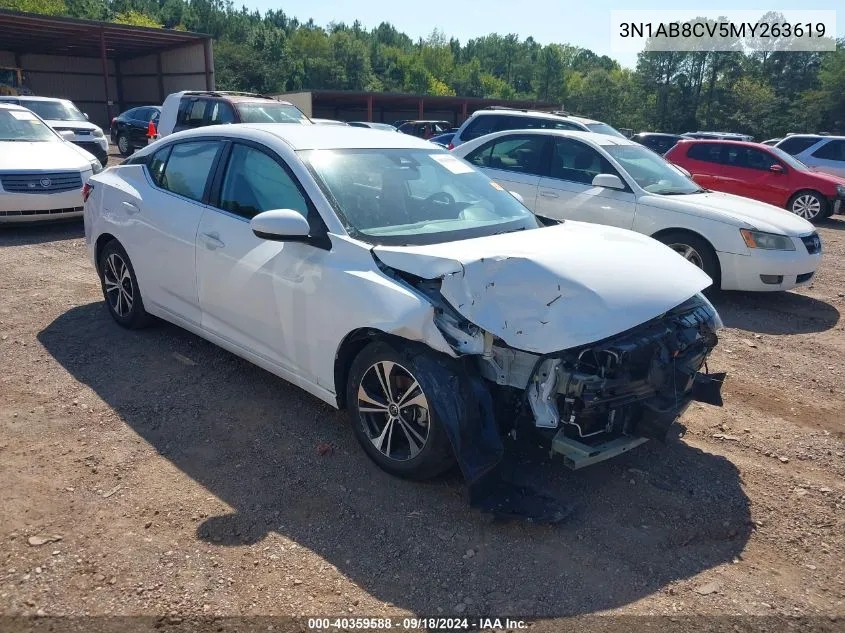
x: 104, y: 68
x: 387, y: 107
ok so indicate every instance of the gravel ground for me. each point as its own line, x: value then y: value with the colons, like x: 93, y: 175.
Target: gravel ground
x: 152, y: 473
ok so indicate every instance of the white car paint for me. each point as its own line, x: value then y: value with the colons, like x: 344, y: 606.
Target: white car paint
x: 82, y: 131
x: 288, y: 306
x: 717, y: 217
x: 30, y: 164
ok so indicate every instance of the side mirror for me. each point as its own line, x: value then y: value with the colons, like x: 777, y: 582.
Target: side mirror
x: 85, y: 114
x: 66, y: 135
x: 608, y: 181
x: 776, y: 169
x: 683, y: 171
x: 517, y: 196
x: 280, y: 225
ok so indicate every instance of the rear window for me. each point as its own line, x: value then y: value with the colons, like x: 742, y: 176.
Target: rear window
x: 834, y: 150
x: 795, y: 145
x: 192, y: 112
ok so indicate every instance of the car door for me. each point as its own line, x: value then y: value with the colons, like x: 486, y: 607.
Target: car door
x: 765, y: 177
x: 163, y: 218
x: 251, y: 289
x: 704, y: 161
x: 137, y: 126
x: 568, y: 193
x: 516, y: 162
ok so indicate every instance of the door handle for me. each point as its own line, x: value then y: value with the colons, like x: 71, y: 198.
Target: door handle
x: 549, y: 194
x: 212, y: 241
x: 130, y: 207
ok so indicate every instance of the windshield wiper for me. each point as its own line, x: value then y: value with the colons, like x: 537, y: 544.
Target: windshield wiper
x: 521, y: 228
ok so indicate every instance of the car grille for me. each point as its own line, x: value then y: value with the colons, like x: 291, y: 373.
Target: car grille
x: 813, y: 243
x: 802, y: 278
x: 90, y: 146
x: 41, y: 212
x: 74, y: 130
x: 41, y: 182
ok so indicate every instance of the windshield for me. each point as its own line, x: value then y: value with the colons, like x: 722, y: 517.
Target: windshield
x: 54, y: 110
x: 414, y: 196
x: 789, y: 159
x: 650, y: 171
x: 269, y: 112
x: 24, y: 126
x: 604, y: 128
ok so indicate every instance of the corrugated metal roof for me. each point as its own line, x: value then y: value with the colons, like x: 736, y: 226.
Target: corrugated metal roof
x: 33, y: 33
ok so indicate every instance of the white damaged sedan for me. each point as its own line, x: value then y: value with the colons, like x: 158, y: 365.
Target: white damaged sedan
x: 384, y: 275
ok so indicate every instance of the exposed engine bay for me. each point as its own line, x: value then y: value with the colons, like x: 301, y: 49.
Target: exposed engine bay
x: 600, y: 399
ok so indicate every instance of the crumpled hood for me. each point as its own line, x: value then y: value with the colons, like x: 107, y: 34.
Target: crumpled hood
x: 44, y: 156
x: 736, y: 210
x: 554, y: 288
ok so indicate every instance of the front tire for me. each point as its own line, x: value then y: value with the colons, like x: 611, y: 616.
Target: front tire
x: 120, y: 287
x: 393, y: 419
x: 810, y: 205
x: 695, y: 250
x: 124, y: 145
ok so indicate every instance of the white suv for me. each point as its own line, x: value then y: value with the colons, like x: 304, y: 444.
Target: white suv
x: 498, y: 119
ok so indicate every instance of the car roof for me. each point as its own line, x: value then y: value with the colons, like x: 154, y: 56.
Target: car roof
x: 720, y: 141
x: 594, y: 138
x: 661, y: 134
x: 34, y: 98
x: 232, y: 97
x: 304, y: 137
x: 10, y: 106
x: 536, y: 114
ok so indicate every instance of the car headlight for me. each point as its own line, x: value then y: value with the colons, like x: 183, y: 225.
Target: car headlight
x: 840, y: 191
x: 98, y: 133
x: 767, y: 241
x: 96, y: 167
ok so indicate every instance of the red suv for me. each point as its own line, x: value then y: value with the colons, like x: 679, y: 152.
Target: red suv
x: 763, y: 173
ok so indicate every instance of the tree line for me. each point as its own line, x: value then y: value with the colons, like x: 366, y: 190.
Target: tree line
x: 764, y: 94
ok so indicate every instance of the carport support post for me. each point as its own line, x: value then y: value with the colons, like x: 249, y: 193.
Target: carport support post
x: 370, y: 108
x: 206, y: 47
x: 420, y: 113
x: 105, y: 74
x: 463, y: 111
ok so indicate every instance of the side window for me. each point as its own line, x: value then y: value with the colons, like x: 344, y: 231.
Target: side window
x: 221, y: 112
x: 192, y: 112
x: 479, y: 126
x: 834, y: 150
x: 577, y: 162
x: 795, y: 145
x: 188, y: 167
x: 481, y: 155
x: 524, y: 154
x: 255, y: 182
x: 156, y: 165
x: 561, y: 125
x: 755, y: 159
x: 708, y: 152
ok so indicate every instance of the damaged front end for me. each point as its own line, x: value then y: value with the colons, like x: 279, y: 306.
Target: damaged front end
x: 597, y: 400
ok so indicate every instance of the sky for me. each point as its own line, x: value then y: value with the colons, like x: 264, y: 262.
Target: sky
x: 583, y: 23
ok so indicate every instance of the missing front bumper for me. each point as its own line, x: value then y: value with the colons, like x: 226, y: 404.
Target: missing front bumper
x: 578, y: 455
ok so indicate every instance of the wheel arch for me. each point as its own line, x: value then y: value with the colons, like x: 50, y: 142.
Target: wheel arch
x: 662, y: 232
x: 101, y: 242
x: 349, y: 348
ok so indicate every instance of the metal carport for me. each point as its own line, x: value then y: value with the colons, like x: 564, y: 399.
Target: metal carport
x: 104, y: 68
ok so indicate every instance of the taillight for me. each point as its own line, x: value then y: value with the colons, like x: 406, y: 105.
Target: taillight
x: 113, y: 121
x: 450, y: 146
x: 86, y: 191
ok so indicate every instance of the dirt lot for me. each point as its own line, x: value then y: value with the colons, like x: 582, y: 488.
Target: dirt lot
x: 182, y: 479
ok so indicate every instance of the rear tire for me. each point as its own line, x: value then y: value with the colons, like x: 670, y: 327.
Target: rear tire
x: 695, y: 250
x: 810, y: 205
x: 120, y: 287
x: 124, y: 145
x: 393, y: 419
